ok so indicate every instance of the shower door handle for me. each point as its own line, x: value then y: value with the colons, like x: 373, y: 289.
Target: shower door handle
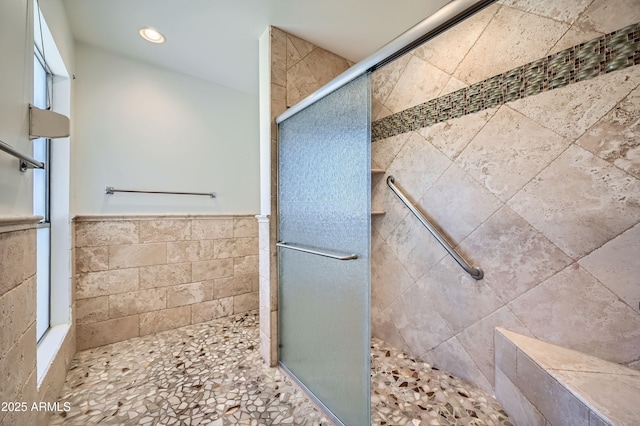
x: 316, y: 252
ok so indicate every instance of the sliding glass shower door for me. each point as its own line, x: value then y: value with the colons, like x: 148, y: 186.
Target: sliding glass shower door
x: 324, y: 220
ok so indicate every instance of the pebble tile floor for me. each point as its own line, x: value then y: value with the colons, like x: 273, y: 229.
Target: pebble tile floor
x: 212, y: 374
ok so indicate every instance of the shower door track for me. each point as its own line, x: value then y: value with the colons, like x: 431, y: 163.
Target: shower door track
x: 446, y: 17
x: 325, y: 410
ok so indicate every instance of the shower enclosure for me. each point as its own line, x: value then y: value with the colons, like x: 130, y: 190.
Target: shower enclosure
x: 324, y: 229
x: 324, y: 250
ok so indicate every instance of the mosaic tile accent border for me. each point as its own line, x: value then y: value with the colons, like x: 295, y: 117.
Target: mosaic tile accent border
x: 617, y: 50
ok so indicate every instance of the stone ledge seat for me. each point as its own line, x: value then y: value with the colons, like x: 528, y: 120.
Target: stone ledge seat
x: 538, y: 383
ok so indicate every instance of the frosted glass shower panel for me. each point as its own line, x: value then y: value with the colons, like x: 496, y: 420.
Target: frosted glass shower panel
x: 325, y: 207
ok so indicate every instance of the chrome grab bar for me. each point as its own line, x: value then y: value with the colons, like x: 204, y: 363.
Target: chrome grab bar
x: 111, y: 190
x: 476, y: 273
x: 319, y: 253
x: 26, y: 162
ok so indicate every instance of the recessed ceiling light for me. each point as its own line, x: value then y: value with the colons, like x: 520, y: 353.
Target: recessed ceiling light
x: 152, y: 35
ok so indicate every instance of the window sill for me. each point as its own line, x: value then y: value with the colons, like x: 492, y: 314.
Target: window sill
x: 48, y: 348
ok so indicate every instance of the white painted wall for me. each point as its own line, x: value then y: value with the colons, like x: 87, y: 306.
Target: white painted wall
x: 56, y: 19
x: 16, y: 91
x: 141, y: 127
x: 264, y: 76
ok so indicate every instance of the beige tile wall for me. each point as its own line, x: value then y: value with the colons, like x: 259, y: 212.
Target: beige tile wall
x: 18, y: 350
x: 308, y: 67
x: 18, y: 317
x: 137, y: 275
x: 298, y: 68
x: 543, y: 193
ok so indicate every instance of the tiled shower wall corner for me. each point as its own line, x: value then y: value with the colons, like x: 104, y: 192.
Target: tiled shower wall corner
x: 137, y: 275
x: 298, y: 68
x: 18, y: 327
x: 542, y: 192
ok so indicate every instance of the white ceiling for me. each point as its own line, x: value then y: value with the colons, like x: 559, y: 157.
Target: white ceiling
x: 217, y: 40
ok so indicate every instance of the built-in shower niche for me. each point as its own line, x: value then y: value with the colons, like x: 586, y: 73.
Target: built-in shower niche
x: 376, y: 173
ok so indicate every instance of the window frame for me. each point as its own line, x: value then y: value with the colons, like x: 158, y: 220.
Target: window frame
x: 42, y: 203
